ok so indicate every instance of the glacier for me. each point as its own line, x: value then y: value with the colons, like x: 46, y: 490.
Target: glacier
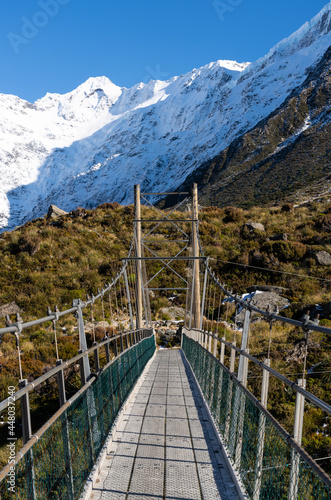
x: 93, y: 144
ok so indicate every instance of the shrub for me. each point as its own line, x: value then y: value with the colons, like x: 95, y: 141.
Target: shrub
x: 233, y: 214
x: 285, y: 251
x: 324, y: 223
x: 287, y: 207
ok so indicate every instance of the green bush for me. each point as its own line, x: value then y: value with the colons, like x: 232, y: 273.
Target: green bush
x: 285, y: 251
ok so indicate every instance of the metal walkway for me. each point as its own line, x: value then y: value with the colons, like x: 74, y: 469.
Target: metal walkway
x: 166, y: 447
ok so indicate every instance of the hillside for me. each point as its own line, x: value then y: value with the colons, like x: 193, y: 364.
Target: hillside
x: 47, y: 262
x: 50, y: 262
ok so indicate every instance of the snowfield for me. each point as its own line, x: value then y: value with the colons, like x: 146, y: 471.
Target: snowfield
x: 94, y: 143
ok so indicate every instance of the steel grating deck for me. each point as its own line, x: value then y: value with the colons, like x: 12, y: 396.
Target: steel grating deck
x: 165, y: 447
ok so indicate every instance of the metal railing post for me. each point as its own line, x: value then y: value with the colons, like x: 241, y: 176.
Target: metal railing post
x: 261, y: 434
x: 27, y: 432
x: 121, y: 341
x: 232, y: 358
x: 215, y: 347
x: 241, y: 413
x: 65, y: 433
x: 244, y: 344
x: 26, y: 415
x: 61, y: 384
x: 297, y: 436
x: 82, y: 366
x: 222, y: 351
x: 96, y: 358
x: 107, y: 349
x: 240, y: 400
x: 229, y: 394
x: 206, y: 340
x: 209, y: 342
x: 82, y: 338
x: 115, y: 348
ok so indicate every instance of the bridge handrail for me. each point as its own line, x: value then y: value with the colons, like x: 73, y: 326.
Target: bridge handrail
x: 306, y: 325
x: 313, y: 399
x: 37, y: 435
x: 18, y: 327
x: 289, y: 439
x: 65, y: 364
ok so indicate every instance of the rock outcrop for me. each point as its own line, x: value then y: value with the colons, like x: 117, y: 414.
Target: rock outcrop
x: 54, y: 212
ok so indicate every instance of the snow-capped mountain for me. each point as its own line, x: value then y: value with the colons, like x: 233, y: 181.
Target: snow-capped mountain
x: 94, y: 143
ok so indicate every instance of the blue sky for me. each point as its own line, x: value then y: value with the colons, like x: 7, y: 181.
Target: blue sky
x: 55, y: 45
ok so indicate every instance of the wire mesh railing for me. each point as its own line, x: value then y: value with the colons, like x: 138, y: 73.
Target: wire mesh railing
x: 270, y: 463
x: 57, y: 461
x: 53, y: 450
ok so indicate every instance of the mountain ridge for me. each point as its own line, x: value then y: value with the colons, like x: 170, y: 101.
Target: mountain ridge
x: 82, y: 148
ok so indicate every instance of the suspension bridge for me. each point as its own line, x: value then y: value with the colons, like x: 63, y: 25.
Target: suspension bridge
x: 152, y: 423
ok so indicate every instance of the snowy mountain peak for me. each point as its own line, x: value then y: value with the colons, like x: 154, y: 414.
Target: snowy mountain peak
x: 231, y: 65
x: 92, y: 99
x: 304, y: 37
x: 93, y: 143
x: 99, y: 84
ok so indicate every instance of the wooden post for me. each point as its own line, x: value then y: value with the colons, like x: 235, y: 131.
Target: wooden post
x: 195, y: 252
x: 139, y: 321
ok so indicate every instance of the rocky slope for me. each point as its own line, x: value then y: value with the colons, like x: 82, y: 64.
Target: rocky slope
x: 284, y: 157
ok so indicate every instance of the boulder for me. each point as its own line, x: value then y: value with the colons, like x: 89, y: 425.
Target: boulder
x: 98, y: 324
x: 172, y: 312
x: 323, y: 258
x: 252, y: 227
x: 263, y: 300
x: 266, y: 288
x: 9, y: 309
x: 54, y: 212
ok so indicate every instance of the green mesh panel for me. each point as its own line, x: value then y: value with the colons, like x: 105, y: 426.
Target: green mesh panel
x: 64, y: 456
x: 248, y: 433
